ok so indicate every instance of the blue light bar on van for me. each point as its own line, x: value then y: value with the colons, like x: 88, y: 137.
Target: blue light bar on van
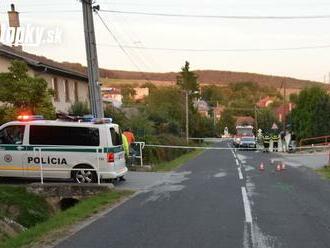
x: 87, y: 118
x: 102, y: 120
x: 30, y: 117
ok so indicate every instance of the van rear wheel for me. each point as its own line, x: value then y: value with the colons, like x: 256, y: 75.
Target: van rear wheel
x: 84, y: 176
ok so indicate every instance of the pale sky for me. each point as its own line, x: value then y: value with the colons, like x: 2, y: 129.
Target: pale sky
x: 178, y: 33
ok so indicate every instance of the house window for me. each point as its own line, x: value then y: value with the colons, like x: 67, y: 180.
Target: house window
x: 67, y: 90
x: 76, y: 93
x: 55, y: 88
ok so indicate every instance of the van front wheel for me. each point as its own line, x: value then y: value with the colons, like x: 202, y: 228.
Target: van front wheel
x: 84, y: 176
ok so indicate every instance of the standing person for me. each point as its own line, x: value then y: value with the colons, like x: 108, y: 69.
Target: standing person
x: 292, y: 143
x: 275, y: 139
x: 125, y: 145
x: 129, y: 135
x: 130, y: 139
x: 260, y: 138
x: 283, y: 141
x: 266, y: 142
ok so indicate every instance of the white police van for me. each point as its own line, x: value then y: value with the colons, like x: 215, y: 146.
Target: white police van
x: 32, y: 148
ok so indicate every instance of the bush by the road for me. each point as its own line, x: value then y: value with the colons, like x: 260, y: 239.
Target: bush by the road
x: 156, y: 155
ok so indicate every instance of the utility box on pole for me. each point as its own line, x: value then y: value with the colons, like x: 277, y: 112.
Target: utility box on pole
x: 92, y: 62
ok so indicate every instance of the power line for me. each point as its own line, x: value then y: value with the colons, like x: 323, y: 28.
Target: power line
x: 221, y: 50
x: 135, y: 53
x: 120, y: 46
x: 252, y: 17
x: 135, y: 39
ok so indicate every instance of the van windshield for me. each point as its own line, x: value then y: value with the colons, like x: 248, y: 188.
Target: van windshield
x: 58, y: 135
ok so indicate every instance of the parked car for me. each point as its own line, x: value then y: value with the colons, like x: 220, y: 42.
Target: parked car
x: 248, y: 142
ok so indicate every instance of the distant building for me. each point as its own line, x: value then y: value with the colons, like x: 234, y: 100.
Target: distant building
x: 265, y: 102
x: 202, y: 107
x: 141, y: 93
x: 218, y: 111
x: 112, y: 95
x: 69, y: 85
x: 282, y: 111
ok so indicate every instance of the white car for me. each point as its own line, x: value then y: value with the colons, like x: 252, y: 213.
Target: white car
x: 35, y: 148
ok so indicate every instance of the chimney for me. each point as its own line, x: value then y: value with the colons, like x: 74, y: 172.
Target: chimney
x: 13, y: 17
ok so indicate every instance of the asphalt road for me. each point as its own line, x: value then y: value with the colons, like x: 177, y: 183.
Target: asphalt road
x: 220, y: 199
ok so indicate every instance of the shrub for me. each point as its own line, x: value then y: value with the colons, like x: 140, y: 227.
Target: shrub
x: 79, y: 109
x: 158, y: 154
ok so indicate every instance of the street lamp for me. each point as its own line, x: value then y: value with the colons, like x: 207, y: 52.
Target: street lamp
x: 188, y: 92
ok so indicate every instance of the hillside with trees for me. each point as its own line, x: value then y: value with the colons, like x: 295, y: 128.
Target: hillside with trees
x: 204, y: 77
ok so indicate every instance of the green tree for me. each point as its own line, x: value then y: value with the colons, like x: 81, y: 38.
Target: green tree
x: 117, y: 116
x: 166, y: 107
x: 7, y: 113
x: 321, y: 117
x: 266, y: 118
x: 149, y: 85
x: 187, y: 80
x: 227, y: 120
x: 202, y: 126
x: 79, y: 109
x: 24, y: 92
x: 213, y: 95
x: 311, y: 116
x: 128, y: 94
x: 141, y: 126
x: 293, y: 97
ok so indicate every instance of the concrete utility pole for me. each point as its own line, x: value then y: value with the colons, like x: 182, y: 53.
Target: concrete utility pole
x: 92, y: 62
x: 256, y: 118
x: 187, y: 117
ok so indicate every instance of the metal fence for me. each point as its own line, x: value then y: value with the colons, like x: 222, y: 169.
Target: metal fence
x: 139, y: 146
x: 47, y: 148
x: 39, y: 150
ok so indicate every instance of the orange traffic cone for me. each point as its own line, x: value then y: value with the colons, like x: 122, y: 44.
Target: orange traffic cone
x: 283, y: 167
x: 261, y: 167
x: 278, y: 167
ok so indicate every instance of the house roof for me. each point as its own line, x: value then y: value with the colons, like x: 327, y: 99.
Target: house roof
x: 41, y: 63
x: 201, y: 105
x: 284, y: 109
x: 264, y: 102
x: 219, y: 109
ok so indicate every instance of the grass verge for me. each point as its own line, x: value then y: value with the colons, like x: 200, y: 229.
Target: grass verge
x: 23, y: 207
x: 325, y: 172
x: 176, y: 163
x: 56, y: 225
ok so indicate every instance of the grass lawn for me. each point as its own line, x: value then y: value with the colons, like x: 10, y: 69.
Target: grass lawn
x: 59, y: 223
x: 176, y: 163
x: 29, y: 209
x: 325, y: 172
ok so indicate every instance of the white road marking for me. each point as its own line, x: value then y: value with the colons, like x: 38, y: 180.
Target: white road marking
x: 247, y: 207
x: 240, y: 175
x: 237, y: 162
x: 220, y: 174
